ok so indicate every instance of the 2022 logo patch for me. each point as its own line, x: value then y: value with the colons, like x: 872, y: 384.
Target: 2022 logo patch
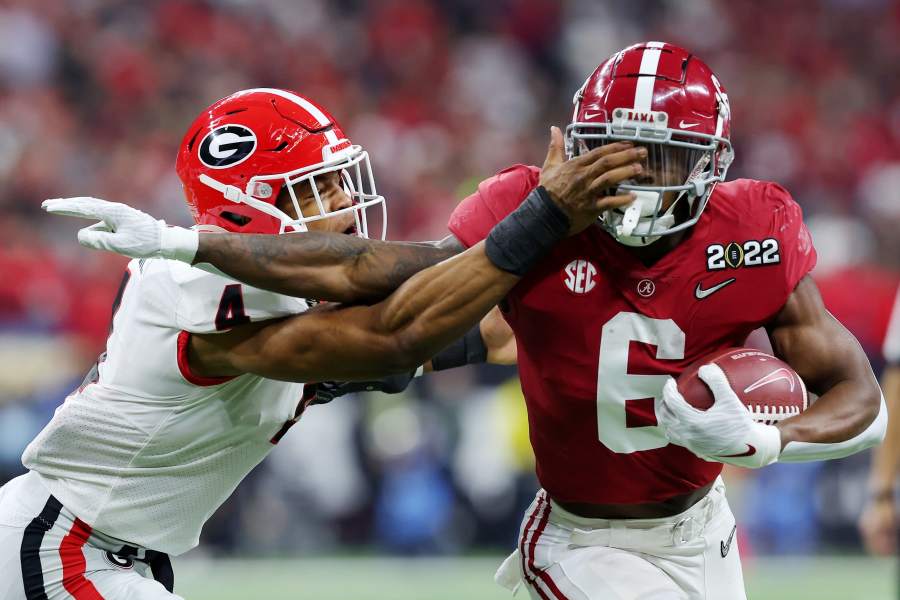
x: 752, y: 253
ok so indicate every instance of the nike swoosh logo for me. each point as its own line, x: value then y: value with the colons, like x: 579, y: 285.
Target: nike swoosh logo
x: 700, y: 293
x: 781, y: 374
x: 725, y: 546
x: 751, y: 450
x: 684, y: 125
x: 588, y: 115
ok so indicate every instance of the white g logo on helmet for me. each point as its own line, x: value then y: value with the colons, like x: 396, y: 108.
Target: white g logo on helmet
x: 227, y: 146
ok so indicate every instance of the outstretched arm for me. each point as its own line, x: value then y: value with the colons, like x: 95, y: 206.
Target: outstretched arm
x: 398, y: 334
x: 324, y: 266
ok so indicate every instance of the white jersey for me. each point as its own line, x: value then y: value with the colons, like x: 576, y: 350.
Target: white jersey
x: 891, y: 349
x: 148, y: 451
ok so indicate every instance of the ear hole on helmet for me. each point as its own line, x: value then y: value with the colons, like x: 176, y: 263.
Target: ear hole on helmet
x: 235, y: 218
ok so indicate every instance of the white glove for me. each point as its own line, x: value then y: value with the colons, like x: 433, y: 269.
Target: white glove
x: 724, y: 433
x: 126, y: 230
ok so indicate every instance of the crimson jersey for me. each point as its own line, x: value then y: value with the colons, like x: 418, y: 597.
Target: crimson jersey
x: 598, y: 332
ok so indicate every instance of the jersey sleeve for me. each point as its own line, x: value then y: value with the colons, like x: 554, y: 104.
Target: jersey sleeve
x: 798, y: 255
x: 495, y: 198
x: 210, y: 303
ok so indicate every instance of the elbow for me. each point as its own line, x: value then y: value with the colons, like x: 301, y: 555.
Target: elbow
x: 877, y: 429
x: 876, y: 419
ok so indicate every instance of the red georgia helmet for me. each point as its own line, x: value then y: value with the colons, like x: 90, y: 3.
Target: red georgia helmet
x: 663, y: 97
x: 243, y: 150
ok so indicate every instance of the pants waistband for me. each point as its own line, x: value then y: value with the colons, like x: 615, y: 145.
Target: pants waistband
x: 623, y: 533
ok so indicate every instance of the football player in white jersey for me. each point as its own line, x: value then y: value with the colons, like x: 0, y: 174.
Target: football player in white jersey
x: 201, y: 374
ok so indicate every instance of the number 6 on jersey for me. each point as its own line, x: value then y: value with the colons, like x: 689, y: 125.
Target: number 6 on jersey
x: 616, y: 387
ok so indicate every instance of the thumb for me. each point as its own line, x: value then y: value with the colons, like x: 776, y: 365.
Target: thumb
x: 97, y: 236
x: 716, y: 380
x: 674, y: 402
x: 555, y: 151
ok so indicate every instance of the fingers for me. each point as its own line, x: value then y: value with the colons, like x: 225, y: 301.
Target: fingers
x: 714, y: 377
x: 674, y: 401
x: 556, y: 150
x: 601, y: 151
x: 84, y: 207
x: 610, y: 202
x: 608, y: 162
x: 614, y: 177
x: 96, y: 236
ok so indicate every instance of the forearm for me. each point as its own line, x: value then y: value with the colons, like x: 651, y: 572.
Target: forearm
x: 324, y: 266
x: 842, y: 413
x: 802, y: 451
x: 436, y: 307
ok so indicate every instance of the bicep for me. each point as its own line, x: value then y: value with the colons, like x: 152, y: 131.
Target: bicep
x: 329, y: 342
x: 813, y: 342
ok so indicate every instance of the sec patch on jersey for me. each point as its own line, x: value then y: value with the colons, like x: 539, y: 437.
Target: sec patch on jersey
x: 769, y: 388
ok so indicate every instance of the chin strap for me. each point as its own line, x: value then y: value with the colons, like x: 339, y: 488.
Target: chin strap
x: 632, y: 226
x: 234, y: 194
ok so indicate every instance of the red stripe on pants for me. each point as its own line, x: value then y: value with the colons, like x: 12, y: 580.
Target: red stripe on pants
x: 544, y: 576
x: 532, y: 573
x: 74, y: 564
x: 526, y: 561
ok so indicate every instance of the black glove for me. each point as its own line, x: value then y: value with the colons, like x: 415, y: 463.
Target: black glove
x: 392, y: 384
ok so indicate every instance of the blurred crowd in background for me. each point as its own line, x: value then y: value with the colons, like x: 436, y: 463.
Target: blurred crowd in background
x: 95, y: 96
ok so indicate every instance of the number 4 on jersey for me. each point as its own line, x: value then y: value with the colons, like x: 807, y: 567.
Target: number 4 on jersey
x: 231, y: 311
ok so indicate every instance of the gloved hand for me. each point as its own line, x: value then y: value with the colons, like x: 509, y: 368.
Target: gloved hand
x: 327, y: 391
x: 725, y: 432
x: 126, y: 230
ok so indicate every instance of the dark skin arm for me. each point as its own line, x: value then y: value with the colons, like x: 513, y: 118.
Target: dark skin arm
x: 324, y: 266
x: 426, y: 313
x: 833, y: 365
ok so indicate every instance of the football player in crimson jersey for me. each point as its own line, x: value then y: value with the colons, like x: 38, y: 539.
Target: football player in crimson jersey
x: 692, y: 265
x: 192, y: 391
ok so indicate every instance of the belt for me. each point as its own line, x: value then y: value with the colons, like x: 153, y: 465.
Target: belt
x: 625, y: 533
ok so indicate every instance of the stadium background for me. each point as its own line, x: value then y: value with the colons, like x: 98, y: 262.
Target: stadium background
x: 95, y: 95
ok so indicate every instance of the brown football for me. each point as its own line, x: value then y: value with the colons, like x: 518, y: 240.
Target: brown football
x: 769, y: 388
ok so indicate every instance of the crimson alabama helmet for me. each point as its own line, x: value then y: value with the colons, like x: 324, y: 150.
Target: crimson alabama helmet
x: 242, y: 151
x: 665, y: 98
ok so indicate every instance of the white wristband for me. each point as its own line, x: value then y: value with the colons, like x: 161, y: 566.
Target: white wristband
x: 178, y: 243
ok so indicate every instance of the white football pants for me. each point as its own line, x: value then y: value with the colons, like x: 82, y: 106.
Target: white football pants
x: 690, y: 556
x: 46, y: 553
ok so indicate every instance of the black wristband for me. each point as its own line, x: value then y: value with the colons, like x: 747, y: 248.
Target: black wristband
x: 525, y: 236
x: 467, y: 350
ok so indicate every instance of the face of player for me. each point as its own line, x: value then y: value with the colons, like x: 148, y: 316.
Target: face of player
x: 666, y: 166
x: 333, y: 197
